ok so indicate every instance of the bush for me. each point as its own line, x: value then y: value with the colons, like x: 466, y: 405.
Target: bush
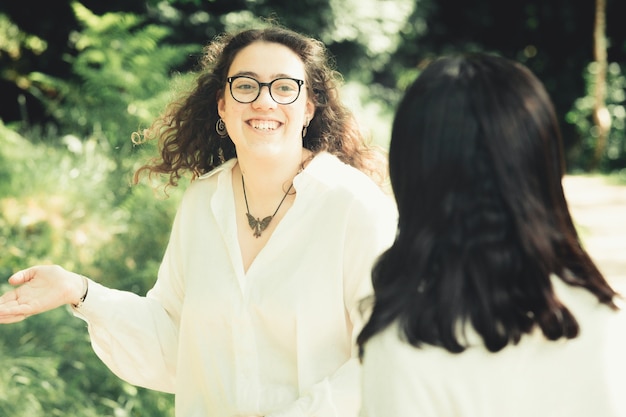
x: 614, y: 157
x: 56, y: 207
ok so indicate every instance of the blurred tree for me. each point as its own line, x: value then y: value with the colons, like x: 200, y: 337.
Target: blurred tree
x: 601, y: 116
x: 55, y: 207
x: 37, y: 41
x: 120, y: 81
x: 554, y: 39
x: 360, y: 34
x: 581, y: 116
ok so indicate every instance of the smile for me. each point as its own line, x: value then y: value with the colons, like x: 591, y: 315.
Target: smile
x: 264, y: 125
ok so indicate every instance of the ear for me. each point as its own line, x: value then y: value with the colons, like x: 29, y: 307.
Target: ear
x: 221, y: 104
x: 309, y: 111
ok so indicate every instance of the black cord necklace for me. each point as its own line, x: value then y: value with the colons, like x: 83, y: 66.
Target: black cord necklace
x: 256, y: 224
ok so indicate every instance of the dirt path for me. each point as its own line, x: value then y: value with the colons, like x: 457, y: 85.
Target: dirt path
x: 599, y: 211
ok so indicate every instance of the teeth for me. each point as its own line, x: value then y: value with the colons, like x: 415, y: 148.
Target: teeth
x: 264, y: 124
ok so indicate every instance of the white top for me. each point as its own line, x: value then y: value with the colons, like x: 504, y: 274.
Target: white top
x: 276, y: 341
x: 582, y: 377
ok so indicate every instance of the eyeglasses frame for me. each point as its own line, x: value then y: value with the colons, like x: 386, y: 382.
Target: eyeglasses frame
x: 261, y: 85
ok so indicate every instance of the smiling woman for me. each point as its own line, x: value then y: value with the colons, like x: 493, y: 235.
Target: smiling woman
x: 256, y: 305
x: 263, y: 127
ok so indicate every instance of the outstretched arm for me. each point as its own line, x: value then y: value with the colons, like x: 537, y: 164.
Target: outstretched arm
x: 39, y: 289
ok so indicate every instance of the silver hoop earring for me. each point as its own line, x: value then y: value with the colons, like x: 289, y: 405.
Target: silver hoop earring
x: 220, y: 128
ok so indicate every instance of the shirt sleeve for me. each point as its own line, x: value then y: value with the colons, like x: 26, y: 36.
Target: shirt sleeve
x: 136, y: 337
x: 369, y: 231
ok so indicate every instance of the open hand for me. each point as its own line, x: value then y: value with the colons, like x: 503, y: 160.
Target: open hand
x: 39, y: 289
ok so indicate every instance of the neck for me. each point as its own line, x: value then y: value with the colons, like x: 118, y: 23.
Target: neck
x: 268, y: 179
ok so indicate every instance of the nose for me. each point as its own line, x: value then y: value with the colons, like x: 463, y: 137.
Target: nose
x: 264, y: 100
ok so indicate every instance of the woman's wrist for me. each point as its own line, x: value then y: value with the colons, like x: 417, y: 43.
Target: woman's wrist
x: 83, y: 293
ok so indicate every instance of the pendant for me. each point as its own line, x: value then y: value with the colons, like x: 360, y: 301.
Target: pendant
x: 257, y: 224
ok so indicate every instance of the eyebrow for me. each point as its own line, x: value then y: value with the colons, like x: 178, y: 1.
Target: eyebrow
x: 255, y: 75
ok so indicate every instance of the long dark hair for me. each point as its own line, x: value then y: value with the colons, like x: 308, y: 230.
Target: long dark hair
x: 186, y: 131
x: 476, y: 163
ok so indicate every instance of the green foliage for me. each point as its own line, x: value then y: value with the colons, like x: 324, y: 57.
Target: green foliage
x: 374, y: 26
x: 49, y: 369
x: 121, y: 81
x: 123, y: 70
x: 14, y: 42
x: 132, y: 261
x: 56, y: 206
x: 65, y: 198
x: 123, y: 74
x: 580, y: 115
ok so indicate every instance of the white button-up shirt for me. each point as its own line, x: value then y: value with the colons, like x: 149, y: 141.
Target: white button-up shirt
x: 580, y: 377
x: 277, y: 340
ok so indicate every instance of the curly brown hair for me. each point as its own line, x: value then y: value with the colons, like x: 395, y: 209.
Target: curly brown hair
x: 188, y: 141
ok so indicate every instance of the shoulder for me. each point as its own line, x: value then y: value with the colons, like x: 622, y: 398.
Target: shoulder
x: 327, y: 174
x: 600, y: 325
x: 330, y: 170
x: 213, y: 177
x: 203, y: 188
x: 366, y: 213
x: 584, y: 304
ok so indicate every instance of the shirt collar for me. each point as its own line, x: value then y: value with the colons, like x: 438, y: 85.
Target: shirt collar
x: 321, y: 169
x: 226, y: 166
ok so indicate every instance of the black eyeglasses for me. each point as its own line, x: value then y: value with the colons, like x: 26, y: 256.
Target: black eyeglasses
x: 246, y: 89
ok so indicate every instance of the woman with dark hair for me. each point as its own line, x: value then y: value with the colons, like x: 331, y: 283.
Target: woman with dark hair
x: 486, y: 304
x: 256, y: 306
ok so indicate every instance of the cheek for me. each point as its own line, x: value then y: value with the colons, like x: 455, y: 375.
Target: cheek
x: 226, y: 107
x: 229, y: 110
